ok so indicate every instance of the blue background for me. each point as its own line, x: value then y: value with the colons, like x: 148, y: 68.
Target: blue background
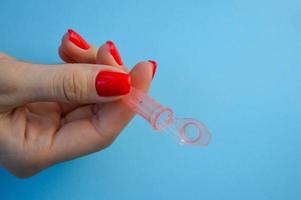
x: 233, y: 64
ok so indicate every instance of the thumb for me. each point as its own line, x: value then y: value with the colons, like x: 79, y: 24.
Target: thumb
x: 79, y: 83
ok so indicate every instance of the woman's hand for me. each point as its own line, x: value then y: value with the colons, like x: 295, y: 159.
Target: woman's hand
x: 53, y: 113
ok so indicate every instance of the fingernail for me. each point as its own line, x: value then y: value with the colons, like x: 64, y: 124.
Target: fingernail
x: 154, y: 63
x: 109, y: 83
x: 114, y: 52
x: 76, y: 39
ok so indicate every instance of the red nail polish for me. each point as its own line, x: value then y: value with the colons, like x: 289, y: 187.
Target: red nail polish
x: 76, y: 39
x: 154, y: 67
x: 114, y: 52
x: 109, y: 83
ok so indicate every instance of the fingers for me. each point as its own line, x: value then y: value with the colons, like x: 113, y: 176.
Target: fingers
x: 91, y: 134
x: 74, y: 48
x: 107, y: 54
x: 72, y: 83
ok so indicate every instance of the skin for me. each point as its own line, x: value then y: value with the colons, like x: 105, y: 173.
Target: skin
x: 50, y: 114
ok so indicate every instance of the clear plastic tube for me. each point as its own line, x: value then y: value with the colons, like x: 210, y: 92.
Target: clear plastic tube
x: 185, y: 130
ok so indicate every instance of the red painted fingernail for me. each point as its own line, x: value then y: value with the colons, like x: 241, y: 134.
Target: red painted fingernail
x: 114, y: 52
x: 76, y: 39
x: 154, y: 67
x: 109, y: 83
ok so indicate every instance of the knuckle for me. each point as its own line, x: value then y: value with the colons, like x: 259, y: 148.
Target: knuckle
x: 74, y: 85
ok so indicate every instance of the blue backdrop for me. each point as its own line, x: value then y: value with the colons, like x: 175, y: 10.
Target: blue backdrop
x: 233, y: 64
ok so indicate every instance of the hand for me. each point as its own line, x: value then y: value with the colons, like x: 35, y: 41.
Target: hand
x: 54, y: 113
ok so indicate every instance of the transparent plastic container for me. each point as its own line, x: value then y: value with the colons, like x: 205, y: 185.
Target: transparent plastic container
x: 184, y: 130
